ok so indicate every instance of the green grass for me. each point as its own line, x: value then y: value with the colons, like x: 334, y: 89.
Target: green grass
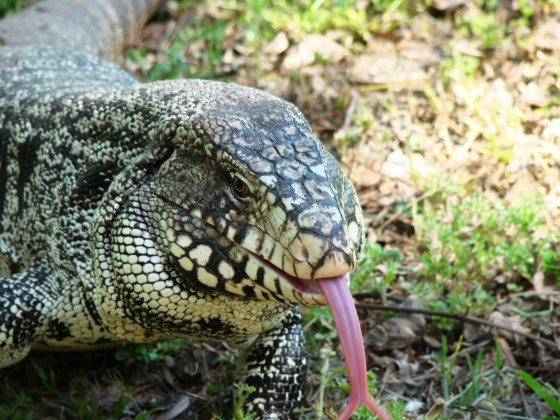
x: 463, y: 245
x: 463, y: 242
x: 17, y: 402
x: 375, y: 255
x: 326, y: 379
x: 9, y: 6
x: 175, y: 64
x: 255, y: 23
x: 242, y: 391
x: 480, y: 390
x: 149, y: 352
x: 547, y: 392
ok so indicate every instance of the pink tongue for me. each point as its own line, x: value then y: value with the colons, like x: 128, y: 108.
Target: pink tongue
x: 347, y: 323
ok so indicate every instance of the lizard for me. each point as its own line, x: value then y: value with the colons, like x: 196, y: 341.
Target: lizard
x: 136, y: 212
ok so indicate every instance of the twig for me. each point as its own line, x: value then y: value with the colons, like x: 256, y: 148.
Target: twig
x: 350, y: 110
x: 510, y: 360
x: 458, y: 317
x: 372, y: 87
x: 537, y: 293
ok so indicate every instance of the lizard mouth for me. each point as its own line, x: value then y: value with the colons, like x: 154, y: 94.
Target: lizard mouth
x: 277, y: 282
x: 304, y: 286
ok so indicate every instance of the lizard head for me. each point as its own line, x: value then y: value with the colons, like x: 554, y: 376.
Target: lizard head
x: 247, y: 165
x: 244, y: 202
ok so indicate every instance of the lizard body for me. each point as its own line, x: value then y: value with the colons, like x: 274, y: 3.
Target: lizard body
x: 137, y: 212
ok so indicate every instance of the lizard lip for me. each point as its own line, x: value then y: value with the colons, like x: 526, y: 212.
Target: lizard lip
x: 304, y: 286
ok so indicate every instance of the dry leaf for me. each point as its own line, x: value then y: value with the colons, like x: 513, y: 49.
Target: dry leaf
x: 547, y: 36
x: 447, y: 5
x: 513, y: 322
x: 385, y: 67
x: 179, y: 408
x: 305, y: 53
x: 396, y: 165
x: 399, y: 331
x: 365, y: 177
x: 278, y: 45
x: 524, y: 186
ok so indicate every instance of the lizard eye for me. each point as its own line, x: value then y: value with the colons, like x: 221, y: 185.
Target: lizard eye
x: 240, y: 187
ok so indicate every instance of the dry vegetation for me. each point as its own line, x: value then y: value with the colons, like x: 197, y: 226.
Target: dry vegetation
x: 446, y: 115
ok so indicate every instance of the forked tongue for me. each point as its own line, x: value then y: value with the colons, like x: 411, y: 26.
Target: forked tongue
x: 347, y: 324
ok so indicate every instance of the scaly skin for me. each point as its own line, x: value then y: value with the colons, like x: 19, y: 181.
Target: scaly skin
x: 139, y: 212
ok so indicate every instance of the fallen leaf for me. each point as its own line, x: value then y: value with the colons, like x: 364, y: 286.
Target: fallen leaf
x: 397, y: 332
x: 437, y: 409
x: 385, y: 67
x: 305, y: 53
x: 396, y: 165
x: 179, y: 408
x: 547, y: 36
x: 446, y: 5
x: 365, y: 177
x: 524, y: 186
x: 278, y: 45
x: 513, y: 322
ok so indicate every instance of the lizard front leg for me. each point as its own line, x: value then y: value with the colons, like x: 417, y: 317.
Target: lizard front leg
x: 275, y: 366
x: 25, y: 301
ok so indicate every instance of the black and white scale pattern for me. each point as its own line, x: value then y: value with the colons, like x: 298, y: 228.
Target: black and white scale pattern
x: 139, y: 212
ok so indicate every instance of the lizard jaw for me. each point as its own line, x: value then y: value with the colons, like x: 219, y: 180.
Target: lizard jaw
x: 305, y: 286
x: 310, y: 289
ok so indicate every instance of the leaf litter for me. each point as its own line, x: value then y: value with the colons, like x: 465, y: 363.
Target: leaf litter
x: 422, y: 114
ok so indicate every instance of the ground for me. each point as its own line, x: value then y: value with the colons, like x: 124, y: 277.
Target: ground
x: 446, y: 116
